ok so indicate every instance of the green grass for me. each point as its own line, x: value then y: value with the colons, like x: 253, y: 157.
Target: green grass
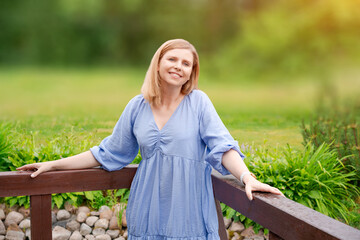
x: 49, y: 100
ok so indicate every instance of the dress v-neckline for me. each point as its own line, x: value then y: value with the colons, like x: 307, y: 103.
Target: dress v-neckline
x: 176, y: 109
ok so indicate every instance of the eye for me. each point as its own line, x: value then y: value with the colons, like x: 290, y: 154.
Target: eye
x: 171, y: 59
x: 187, y: 64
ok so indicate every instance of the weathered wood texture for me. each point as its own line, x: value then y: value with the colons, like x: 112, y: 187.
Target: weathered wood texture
x: 286, y: 219
x: 283, y: 217
x: 21, y: 184
x: 41, y: 226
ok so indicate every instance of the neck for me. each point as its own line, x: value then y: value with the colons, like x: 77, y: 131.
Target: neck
x: 170, y: 96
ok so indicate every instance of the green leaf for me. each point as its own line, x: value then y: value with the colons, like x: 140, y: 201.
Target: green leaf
x: 314, y: 194
x: 58, y: 200
x: 120, y: 192
x: 13, y: 201
x: 22, y: 200
x: 89, y: 195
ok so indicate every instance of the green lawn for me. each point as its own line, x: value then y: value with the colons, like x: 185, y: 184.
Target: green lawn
x: 47, y: 101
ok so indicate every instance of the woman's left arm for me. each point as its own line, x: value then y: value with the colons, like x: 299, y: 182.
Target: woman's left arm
x: 232, y: 161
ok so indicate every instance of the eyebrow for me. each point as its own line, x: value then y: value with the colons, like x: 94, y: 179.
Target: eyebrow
x: 174, y: 56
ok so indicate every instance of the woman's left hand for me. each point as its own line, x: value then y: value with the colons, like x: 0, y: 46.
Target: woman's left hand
x: 252, y: 185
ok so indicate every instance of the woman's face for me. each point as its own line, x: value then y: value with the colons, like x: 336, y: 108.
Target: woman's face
x: 175, y: 67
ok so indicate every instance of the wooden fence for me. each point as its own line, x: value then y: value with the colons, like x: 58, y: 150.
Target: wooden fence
x: 284, y: 218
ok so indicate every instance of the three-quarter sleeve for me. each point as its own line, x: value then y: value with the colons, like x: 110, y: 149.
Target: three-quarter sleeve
x: 121, y: 147
x: 215, y: 135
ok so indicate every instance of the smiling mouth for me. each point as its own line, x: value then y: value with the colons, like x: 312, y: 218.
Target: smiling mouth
x: 176, y: 74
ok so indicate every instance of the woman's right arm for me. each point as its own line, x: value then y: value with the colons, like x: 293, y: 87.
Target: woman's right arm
x: 80, y: 161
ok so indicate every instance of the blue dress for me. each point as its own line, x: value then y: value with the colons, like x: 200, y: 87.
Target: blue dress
x: 171, y: 195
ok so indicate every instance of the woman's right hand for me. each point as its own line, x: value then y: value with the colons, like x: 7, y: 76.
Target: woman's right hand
x: 37, y: 168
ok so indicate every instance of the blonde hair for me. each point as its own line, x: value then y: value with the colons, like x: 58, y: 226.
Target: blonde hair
x: 151, y: 86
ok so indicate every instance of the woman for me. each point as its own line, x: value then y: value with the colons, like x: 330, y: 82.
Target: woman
x: 180, y: 137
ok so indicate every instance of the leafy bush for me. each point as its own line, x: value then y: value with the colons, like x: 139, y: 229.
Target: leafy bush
x: 5, y: 145
x: 26, y: 149
x: 313, y: 177
x: 341, y: 132
x: 108, y: 198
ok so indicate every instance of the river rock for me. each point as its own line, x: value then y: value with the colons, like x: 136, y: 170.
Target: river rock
x: 2, y: 214
x: 227, y: 222
x: 90, y: 237
x: 28, y: 233
x: 2, y: 228
x: 76, y: 236
x: 13, y: 217
x: 98, y: 231
x: 24, y: 211
x: 83, y: 209
x: 125, y: 235
x: 236, y: 236
x: 106, y: 214
x: 81, y: 217
x: 102, y: 223
x: 255, y: 238
x: 118, y: 208
x: 85, y: 229
x: 123, y: 219
x: 69, y: 207
x: 113, y: 224
x: 103, y: 208
x: 73, y: 225
x: 236, y: 227
x: 14, y: 235
x: 103, y: 237
x: 63, y: 215
x: 91, y: 220
x: 60, y: 233
x: 24, y: 224
x: 53, y: 218
x: 120, y: 238
x: 249, y: 232
x: 113, y: 233
x: 95, y: 213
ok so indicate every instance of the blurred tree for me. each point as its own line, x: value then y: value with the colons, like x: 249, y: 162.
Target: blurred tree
x: 240, y: 37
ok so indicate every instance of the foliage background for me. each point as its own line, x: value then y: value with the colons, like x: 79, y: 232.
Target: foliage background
x: 239, y: 36
x: 70, y: 66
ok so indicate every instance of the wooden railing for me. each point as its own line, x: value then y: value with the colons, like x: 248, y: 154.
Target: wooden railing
x: 284, y: 218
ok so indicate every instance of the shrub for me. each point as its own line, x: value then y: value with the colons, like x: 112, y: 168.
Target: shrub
x: 341, y: 132
x: 5, y: 146
x: 313, y: 177
x: 26, y: 149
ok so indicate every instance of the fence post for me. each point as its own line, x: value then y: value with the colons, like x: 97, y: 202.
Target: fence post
x: 222, y: 230
x: 40, y: 210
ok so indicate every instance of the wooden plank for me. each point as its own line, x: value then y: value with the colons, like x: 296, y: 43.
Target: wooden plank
x: 282, y: 216
x: 21, y: 184
x: 222, y: 229
x: 273, y: 236
x: 40, y: 210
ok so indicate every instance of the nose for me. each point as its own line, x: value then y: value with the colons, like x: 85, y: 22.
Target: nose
x: 177, y: 66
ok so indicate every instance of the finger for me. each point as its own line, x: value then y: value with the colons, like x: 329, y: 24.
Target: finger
x: 27, y: 167
x: 33, y: 175
x: 40, y: 170
x: 248, y: 192
x: 275, y: 191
